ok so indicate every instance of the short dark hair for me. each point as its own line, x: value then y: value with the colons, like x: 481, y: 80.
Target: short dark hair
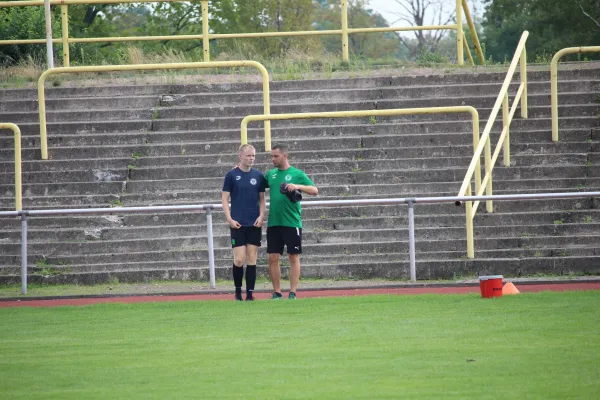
x: 281, y: 147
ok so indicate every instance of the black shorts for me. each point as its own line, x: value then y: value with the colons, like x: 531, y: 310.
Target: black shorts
x: 280, y: 236
x: 246, y: 235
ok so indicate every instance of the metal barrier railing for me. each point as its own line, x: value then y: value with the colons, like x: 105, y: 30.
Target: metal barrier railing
x: 18, y: 185
x: 410, y: 202
x: 554, y: 81
x: 520, y: 57
x: 143, y: 67
x: 345, y: 31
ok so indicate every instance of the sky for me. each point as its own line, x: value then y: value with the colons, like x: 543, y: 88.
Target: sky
x: 387, y: 8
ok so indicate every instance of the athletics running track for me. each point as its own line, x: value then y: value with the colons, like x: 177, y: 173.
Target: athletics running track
x: 82, y: 301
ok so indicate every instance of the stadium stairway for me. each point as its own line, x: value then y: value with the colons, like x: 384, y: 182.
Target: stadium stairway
x: 172, y: 144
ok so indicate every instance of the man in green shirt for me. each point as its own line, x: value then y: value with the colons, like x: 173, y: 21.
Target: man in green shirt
x: 285, y: 217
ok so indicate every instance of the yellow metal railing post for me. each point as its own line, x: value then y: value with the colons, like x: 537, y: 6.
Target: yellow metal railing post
x: 476, y: 43
x: 205, y: 37
x: 470, y: 234
x: 64, y: 16
x: 489, y: 166
x: 468, y: 51
x: 475, y: 145
x: 144, y: 67
x: 345, y: 50
x: 524, y: 105
x: 554, y: 81
x: 18, y: 183
x: 505, y: 126
x: 459, y: 33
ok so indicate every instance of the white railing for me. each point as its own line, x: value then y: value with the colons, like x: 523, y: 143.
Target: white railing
x: 458, y: 200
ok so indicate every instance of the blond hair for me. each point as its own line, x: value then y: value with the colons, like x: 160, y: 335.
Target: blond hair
x: 244, y: 147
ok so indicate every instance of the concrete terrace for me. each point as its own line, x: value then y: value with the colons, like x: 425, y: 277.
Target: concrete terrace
x: 160, y: 144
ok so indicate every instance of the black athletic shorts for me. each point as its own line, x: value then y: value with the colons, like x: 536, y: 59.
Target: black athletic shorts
x: 280, y: 236
x: 246, y: 235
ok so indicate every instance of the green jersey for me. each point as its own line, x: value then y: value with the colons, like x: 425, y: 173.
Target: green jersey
x: 282, y: 211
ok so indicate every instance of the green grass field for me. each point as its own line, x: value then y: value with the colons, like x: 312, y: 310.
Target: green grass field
x: 535, y: 346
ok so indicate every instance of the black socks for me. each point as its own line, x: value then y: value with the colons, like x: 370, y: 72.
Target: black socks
x: 238, y: 276
x: 250, y: 279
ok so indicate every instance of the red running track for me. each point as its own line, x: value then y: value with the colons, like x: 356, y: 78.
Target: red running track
x: 525, y: 288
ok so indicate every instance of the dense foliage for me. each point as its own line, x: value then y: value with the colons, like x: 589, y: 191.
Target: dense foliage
x: 553, y: 24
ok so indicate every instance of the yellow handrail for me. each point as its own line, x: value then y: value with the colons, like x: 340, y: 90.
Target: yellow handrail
x: 520, y: 57
x: 18, y: 186
x: 476, y: 44
x: 468, y: 50
x: 461, y: 5
x: 554, y: 81
x: 361, y: 113
x: 460, y: 37
x: 142, y: 67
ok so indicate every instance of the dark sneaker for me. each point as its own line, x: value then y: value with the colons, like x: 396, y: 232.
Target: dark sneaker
x: 250, y: 298
x: 292, y: 296
x: 238, y: 297
x: 277, y: 296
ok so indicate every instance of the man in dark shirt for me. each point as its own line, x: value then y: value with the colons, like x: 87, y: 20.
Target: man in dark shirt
x: 245, y: 187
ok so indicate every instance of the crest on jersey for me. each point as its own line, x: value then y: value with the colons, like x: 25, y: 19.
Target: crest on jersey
x: 253, y: 181
x: 288, y: 178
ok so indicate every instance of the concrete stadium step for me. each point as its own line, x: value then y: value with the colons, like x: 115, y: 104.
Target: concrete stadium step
x: 534, y: 142
x: 56, y: 250
x: 201, y: 257
x: 88, y: 115
x: 452, y: 77
x: 554, y: 257
x: 107, y: 108
x: 535, y: 111
x: 112, y: 261
x: 298, y: 131
x: 64, y: 189
x: 372, y: 190
x: 310, y: 236
x: 186, y: 177
x: 375, y: 98
x: 60, y: 165
x: 427, y: 270
x: 132, y: 125
x: 185, y: 197
x: 365, y: 141
x: 321, y: 222
x: 456, y: 122
x: 83, y: 103
x: 112, y: 200
x: 428, y: 90
x: 190, y: 143
x: 200, y: 197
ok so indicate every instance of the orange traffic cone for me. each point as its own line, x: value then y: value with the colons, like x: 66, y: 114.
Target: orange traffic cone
x: 510, y: 288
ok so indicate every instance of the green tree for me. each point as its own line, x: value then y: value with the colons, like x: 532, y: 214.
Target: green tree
x: 327, y: 16
x: 552, y: 25
x: 19, y: 23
